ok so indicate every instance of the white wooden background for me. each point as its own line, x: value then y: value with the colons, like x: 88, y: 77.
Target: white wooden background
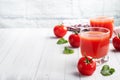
x: 46, y: 13
x: 32, y: 54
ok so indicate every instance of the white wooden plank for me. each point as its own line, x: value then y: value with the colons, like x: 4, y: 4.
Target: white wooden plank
x: 53, y: 61
x: 23, y: 57
x: 32, y: 54
x: 6, y: 41
x: 71, y: 71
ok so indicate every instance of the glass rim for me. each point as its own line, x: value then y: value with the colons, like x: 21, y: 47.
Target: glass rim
x: 102, y: 18
x: 95, y: 29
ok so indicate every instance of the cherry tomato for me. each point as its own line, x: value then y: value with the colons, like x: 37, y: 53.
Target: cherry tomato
x: 116, y: 42
x: 60, y: 30
x: 74, y: 40
x: 86, y: 66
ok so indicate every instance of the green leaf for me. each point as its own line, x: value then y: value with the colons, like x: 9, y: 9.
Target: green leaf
x: 105, y: 67
x: 107, y: 71
x: 62, y: 41
x: 112, y: 70
x: 68, y: 51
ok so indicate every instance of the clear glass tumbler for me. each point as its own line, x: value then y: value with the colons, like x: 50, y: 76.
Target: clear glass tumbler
x: 94, y: 42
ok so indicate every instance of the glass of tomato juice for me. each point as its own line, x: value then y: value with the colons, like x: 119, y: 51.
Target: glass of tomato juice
x: 94, y: 42
x: 103, y: 21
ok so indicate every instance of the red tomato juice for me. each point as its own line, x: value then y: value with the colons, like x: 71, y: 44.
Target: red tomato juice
x: 103, y: 21
x: 94, y: 46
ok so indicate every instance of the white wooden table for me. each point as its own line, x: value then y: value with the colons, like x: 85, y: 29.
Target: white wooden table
x: 32, y: 54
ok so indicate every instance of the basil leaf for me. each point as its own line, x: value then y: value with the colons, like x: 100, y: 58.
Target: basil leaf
x: 105, y: 67
x: 62, y: 41
x: 68, y: 51
x: 112, y: 70
x: 107, y: 71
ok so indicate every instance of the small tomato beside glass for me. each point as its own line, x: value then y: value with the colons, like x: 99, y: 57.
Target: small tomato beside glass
x: 74, y: 40
x: 60, y: 30
x: 86, y: 65
x: 116, y: 42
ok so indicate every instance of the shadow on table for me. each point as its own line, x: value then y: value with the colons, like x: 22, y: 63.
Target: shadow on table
x: 115, y: 51
x: 53, y: 37
x: 77, y: 74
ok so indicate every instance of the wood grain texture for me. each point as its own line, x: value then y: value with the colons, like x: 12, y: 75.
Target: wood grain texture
x: 32, y: 54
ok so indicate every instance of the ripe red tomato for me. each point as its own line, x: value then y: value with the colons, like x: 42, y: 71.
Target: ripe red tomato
x: 86, y: 66
x: 74, y: 40
x: 116, y: 42
x: 60, y: 30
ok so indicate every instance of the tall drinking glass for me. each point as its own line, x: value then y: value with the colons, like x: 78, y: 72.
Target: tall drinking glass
x: 103, y: 21
x: 94, y: 42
